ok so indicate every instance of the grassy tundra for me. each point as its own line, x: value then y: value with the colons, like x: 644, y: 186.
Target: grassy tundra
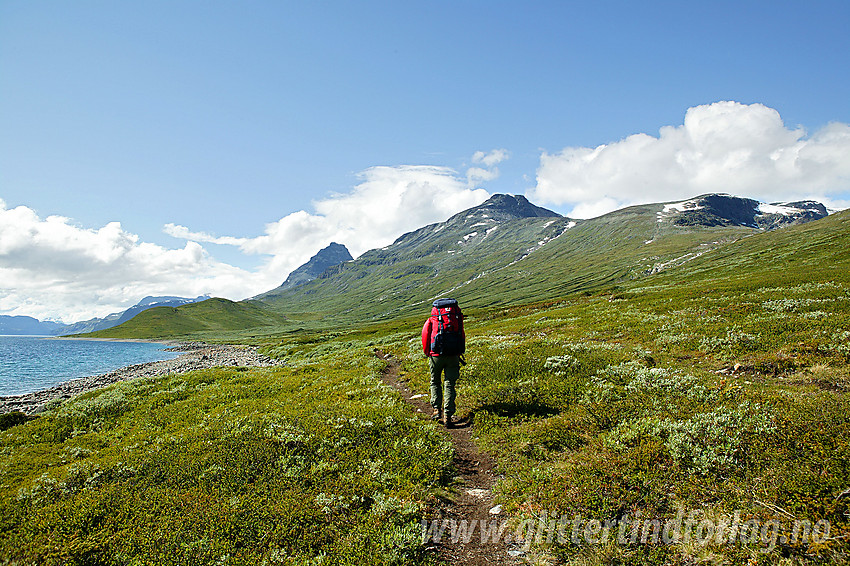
x: 712, y: 397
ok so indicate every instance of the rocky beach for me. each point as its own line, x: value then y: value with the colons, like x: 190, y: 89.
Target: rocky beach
x: 197, y: 356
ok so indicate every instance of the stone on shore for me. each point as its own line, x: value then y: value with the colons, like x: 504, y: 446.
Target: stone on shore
x: 198, y: 356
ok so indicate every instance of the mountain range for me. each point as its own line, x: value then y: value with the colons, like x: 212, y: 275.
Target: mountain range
x: 27, y: 325
x: 506, y: 251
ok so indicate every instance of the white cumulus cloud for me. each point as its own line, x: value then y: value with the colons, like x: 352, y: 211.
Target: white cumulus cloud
x: 484, y: 168
x: 386, y: 202
x: 725, y: 147
x: 52, y: 268
x: 490, y: 158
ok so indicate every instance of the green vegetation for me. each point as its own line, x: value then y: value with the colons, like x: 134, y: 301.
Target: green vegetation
x: 611, y: 406
x: 694, y: 374
x: 211, y: 317
x: 282, y: 466
x: 715, y: 389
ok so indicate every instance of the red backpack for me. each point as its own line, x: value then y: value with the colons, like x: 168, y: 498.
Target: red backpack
x: 449, y: 339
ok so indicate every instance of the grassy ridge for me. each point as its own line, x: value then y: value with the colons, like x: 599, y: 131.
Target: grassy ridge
x: 384, y: 284
x: 213, y: 316
x: 523, y: 260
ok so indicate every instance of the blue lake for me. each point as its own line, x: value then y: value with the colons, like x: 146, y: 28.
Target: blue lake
x: 31, y: 363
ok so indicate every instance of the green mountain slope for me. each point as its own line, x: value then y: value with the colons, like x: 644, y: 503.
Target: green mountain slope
x: 504, y: 252
x: 212, y: 315
x: 816, y: 251
x: 417, y: 267
x: 485, y: 262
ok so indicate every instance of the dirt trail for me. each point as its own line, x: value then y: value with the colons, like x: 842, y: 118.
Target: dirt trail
x: 471, y: 503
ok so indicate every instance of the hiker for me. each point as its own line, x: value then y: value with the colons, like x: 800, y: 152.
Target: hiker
x: 444, y: 342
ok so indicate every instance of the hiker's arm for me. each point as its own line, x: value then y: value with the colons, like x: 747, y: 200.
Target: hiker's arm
x: 426, y: 337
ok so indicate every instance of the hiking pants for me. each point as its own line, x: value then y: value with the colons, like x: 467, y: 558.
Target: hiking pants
x: 443, y: 394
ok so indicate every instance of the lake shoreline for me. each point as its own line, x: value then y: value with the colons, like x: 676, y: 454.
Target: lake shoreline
x: 197, y: 355
x: 128, y: 340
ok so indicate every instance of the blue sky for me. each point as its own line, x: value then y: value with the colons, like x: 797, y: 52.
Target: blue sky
x: 232, y: 140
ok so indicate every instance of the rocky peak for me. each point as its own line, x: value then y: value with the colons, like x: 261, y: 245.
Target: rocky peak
x: 781, y: 213
x: 728, y: 210
x: 331, y: 256
x: 500, y: 207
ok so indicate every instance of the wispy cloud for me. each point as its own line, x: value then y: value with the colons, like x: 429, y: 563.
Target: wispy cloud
x: 183, y: 233
x: 723, y: 147
x: 490, y: 158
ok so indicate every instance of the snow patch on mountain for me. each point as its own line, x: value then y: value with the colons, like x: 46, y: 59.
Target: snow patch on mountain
x: 778, y: 208
x: 677, y: 207
x: 544, y: 241
x: 682, y: 206
x: 683, y: 259
x: 728, y: 210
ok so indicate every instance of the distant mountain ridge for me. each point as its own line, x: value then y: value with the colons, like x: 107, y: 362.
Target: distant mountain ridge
x: 472, y: 226
x: 22, y: 325
x: 500, y: 207
x: 728, y: 210
x: 27, y: 325
x: 432, y: 259
x: 507, y: 251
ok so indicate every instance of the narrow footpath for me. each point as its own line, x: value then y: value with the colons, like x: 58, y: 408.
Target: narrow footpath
x: 471, y: 503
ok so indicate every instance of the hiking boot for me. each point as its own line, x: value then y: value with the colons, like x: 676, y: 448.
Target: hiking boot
x: 449, y: 422
x: 437, y: 415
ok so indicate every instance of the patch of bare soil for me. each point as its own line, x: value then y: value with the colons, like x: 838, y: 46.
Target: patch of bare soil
x: 474, y: 530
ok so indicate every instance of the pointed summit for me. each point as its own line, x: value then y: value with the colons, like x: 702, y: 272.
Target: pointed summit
x: 330, y: 256
x: 500, y: 207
